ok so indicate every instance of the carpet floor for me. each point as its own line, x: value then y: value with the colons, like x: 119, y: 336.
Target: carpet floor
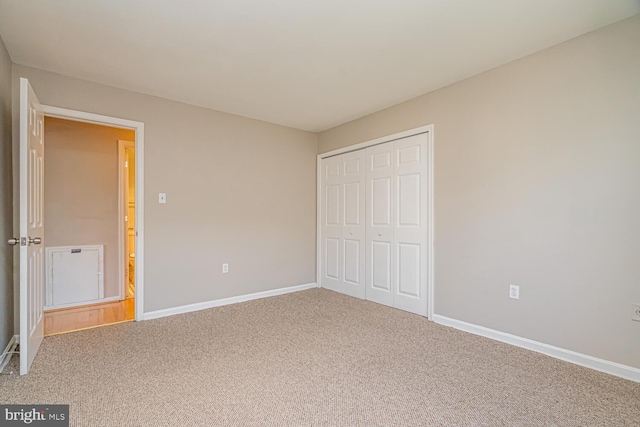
x: 312, y: 358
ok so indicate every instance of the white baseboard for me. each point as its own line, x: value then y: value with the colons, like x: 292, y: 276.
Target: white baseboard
x: 7, y: 353
x: 225, y: 301
x: 83, y: 303
x: 617, y: 369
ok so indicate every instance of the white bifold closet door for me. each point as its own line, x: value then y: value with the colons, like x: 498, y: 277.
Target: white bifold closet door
x: 374, y: 223
x: 397, y: 223
x: 343, y: 223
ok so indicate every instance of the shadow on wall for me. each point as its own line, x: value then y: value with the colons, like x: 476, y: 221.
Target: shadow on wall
x: 6, y: 202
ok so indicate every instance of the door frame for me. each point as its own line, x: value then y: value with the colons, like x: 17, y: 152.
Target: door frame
x: 123, y: 209
x: 428, y: 129
x: 138, y: 127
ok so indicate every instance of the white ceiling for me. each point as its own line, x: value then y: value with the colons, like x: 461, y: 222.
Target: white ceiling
x: 308, y: 64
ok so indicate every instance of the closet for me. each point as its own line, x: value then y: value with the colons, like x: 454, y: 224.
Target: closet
x: 375, y: 222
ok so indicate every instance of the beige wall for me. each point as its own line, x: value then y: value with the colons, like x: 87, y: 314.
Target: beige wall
x: 6, y: 213
x: 537, y: 183
x: 81, y: 190
x: 239, y: 191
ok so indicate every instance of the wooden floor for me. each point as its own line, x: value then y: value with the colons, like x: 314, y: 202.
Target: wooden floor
x: 89, y: 316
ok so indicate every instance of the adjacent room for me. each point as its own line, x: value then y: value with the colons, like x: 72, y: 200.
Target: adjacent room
x: 89, y: 210
x: 320, y: 213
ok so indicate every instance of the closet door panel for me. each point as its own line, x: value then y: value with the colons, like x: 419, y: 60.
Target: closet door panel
x: 332, y: 205
x: 352, y: 251
x: 380, y: 268
x: 410, y: 226
x: 343, y: 224
x: 353, y: 219
x: 409, y: 201
x: 408, y: 270
x: 332, y: 258
x: 331, y: 224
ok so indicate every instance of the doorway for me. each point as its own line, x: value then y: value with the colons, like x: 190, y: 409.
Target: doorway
x: 138, y: 220
x: 127, y: 215
x: 31, y: 236
x: 89, y: 210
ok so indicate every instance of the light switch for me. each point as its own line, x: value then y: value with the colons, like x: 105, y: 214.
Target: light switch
x: 162, y: 197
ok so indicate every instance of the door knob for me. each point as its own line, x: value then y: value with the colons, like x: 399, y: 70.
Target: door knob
x: 13, y: 241
x: 379, y: 234
x: 35, y: 240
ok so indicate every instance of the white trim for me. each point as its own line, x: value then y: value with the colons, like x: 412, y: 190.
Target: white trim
x: 139, y: 224
x: 81, y: 116
x: 83, y: 303
x: 225, y: 301
x: 8, y: 352
x: 428, y: 129
x: 121, y: 230
x: 138, y: 127
x: 613, y: 368
x: 123, y: 209
x: 382, y: 140
x: 318, y: 220
x: 431, y: 227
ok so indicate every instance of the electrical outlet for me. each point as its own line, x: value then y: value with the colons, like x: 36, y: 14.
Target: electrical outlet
x: 225, y: 268
x: 636, y: 312
x: 162, y: 198
x: 514, y: 292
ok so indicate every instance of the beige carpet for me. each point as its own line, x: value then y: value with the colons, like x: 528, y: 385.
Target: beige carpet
x: 311, y: 358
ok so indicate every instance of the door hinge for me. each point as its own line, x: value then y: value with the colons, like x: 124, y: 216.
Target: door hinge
x: 126, y: 163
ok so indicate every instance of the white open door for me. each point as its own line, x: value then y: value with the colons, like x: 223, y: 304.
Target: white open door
x: 31, y: 225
